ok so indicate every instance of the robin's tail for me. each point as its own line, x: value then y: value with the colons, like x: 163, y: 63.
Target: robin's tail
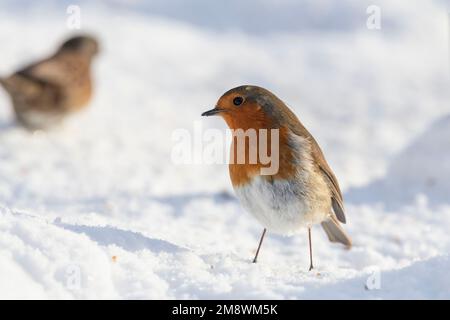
x: 335, y: 232
x: 5, y: 84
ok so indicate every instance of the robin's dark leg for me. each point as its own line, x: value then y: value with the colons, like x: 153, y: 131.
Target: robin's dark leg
x: 259, y: 246
x: 310, y: 250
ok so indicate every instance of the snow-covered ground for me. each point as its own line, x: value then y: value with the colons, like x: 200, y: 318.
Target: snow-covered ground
x: 96, y: 209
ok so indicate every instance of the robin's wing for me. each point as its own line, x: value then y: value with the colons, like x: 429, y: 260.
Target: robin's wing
x: 36, y: 86
x: 336, y: 195
x: 20, y: 85
x: 52, y: 70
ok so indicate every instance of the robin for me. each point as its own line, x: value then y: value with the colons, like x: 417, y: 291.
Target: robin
x: 303, y: 191
x: 45, y: 92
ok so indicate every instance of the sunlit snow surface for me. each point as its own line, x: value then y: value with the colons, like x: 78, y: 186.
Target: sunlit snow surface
x: 97, y: 209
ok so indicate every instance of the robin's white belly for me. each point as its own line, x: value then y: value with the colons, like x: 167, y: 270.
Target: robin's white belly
x: 283, y: 206
x: 39, y: 120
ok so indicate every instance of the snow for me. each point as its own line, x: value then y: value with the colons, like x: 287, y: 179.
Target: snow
x: 97, y: 209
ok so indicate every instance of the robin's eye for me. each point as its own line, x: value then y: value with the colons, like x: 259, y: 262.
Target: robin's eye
x: 238, y: 101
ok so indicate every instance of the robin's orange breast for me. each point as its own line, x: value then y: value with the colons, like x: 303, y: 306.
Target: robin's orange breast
x: 81, y: 94
x: 246, y: 161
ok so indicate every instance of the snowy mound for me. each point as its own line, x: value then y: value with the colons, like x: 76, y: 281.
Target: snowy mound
x: 425, y: 165
x: 420, y: 171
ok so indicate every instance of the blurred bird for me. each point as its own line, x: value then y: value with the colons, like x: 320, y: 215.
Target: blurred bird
x: 45, y: 92
x: 304, y: 191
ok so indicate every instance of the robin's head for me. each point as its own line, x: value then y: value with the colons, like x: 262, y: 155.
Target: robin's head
x: 248, y: 106
x: 84, y: 45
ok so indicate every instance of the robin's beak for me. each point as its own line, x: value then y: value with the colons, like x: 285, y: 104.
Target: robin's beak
x: 212, y: 112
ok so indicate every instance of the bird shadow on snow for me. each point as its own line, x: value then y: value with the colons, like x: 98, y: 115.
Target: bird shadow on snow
x: 423, y: 168
x: 176, y: 202
x: 128, y: 240
x: 179, y: 202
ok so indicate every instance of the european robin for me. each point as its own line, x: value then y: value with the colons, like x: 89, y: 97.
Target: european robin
x: 45, y: 92
x: 303, y: 191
